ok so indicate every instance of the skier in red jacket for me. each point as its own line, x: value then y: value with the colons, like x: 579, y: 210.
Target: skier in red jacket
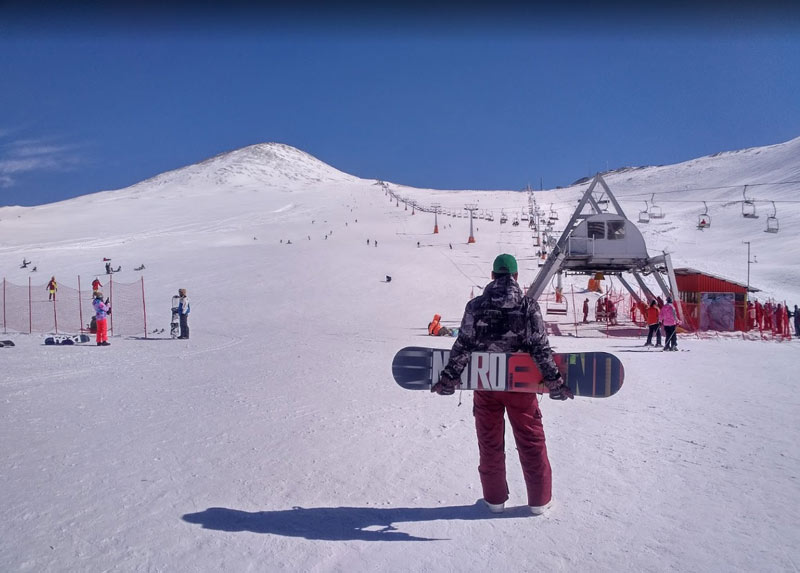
x: 653, y: 324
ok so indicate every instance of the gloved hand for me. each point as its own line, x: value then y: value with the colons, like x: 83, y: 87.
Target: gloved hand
x: 445, y: 386
x: 559, y: 390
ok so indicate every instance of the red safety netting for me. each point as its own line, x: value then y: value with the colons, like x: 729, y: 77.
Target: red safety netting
x: 31, y: 308
x: 713, y: 316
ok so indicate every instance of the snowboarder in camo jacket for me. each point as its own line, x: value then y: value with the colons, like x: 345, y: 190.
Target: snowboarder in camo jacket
x: 503, y: 319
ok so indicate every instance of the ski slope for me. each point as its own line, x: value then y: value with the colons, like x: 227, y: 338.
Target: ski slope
x: 275, y: 439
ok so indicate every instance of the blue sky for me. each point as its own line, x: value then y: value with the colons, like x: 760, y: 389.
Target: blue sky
x: 102, y: 100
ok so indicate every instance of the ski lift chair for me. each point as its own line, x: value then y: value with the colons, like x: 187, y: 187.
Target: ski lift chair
x: 748, y: 207
x: 704, y: 219
x: 644, y: 216
x: 772, y: 221
x: 655, y: 211
x: 560, y: 308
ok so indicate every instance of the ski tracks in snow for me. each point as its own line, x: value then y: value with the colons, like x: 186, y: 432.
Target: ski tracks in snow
x: 232, y: 340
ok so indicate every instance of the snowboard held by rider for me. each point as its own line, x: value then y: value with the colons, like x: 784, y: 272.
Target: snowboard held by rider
x: 503, y: 319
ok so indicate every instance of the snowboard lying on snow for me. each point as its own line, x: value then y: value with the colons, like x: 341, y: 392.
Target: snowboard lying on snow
x: 67, y: 339
x: 588, y: 374
x: 6, y: 343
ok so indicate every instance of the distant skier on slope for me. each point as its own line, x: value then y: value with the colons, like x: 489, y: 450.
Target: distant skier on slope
x: 503, y: 319
x: 52, y: 288
x: 183, y: 313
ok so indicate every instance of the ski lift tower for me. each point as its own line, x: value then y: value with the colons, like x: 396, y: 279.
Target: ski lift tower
x: 471, y: 208
x: 531, y: 203
x: 599, y: 240
x: 436, y: 209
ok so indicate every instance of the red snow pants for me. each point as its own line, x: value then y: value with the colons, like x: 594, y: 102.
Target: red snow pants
x: 102, y: 330
x: 526, y: 423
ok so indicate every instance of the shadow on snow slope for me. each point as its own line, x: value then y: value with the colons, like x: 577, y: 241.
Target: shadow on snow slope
x: 342, y: 523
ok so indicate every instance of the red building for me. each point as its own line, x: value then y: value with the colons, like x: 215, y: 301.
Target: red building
x: 711, y: 302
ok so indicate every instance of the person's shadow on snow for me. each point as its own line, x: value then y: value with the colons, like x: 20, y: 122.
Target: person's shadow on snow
x: 342, y: 523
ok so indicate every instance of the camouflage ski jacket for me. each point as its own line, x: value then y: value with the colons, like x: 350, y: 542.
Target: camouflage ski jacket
x: 502, y: 319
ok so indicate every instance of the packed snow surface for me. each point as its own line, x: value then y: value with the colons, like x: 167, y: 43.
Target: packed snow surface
x: 275, y: 439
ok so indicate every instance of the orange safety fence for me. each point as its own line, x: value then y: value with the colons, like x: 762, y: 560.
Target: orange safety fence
x: 773, y: 322
x: 29, y: 308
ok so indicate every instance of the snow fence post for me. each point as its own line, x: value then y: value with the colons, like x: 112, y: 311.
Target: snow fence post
x: 111, y: 298
x: 55, y: 313
x: 80, y: 304
x: 574, y: 312
x: 30, y: 308
x: 144, y: 309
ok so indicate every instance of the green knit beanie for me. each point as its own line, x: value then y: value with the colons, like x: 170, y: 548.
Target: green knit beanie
x: 504, y: 265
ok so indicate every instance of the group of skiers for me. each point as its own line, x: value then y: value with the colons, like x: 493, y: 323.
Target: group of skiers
x: 658, y: 314
x: 25, y: 263
x: 667, y: 316
x: 772, y: 317
x: 102, y: 308
x: 605, y: 310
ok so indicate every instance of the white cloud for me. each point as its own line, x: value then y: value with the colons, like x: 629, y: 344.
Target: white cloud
x: 30, y: 155
x: 35, y: 149
x: 21, y: 165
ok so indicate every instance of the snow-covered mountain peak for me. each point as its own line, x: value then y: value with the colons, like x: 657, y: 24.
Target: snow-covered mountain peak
x: 271, y: 164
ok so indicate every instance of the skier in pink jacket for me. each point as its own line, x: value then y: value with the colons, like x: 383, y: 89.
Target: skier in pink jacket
x: 668, y: 316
